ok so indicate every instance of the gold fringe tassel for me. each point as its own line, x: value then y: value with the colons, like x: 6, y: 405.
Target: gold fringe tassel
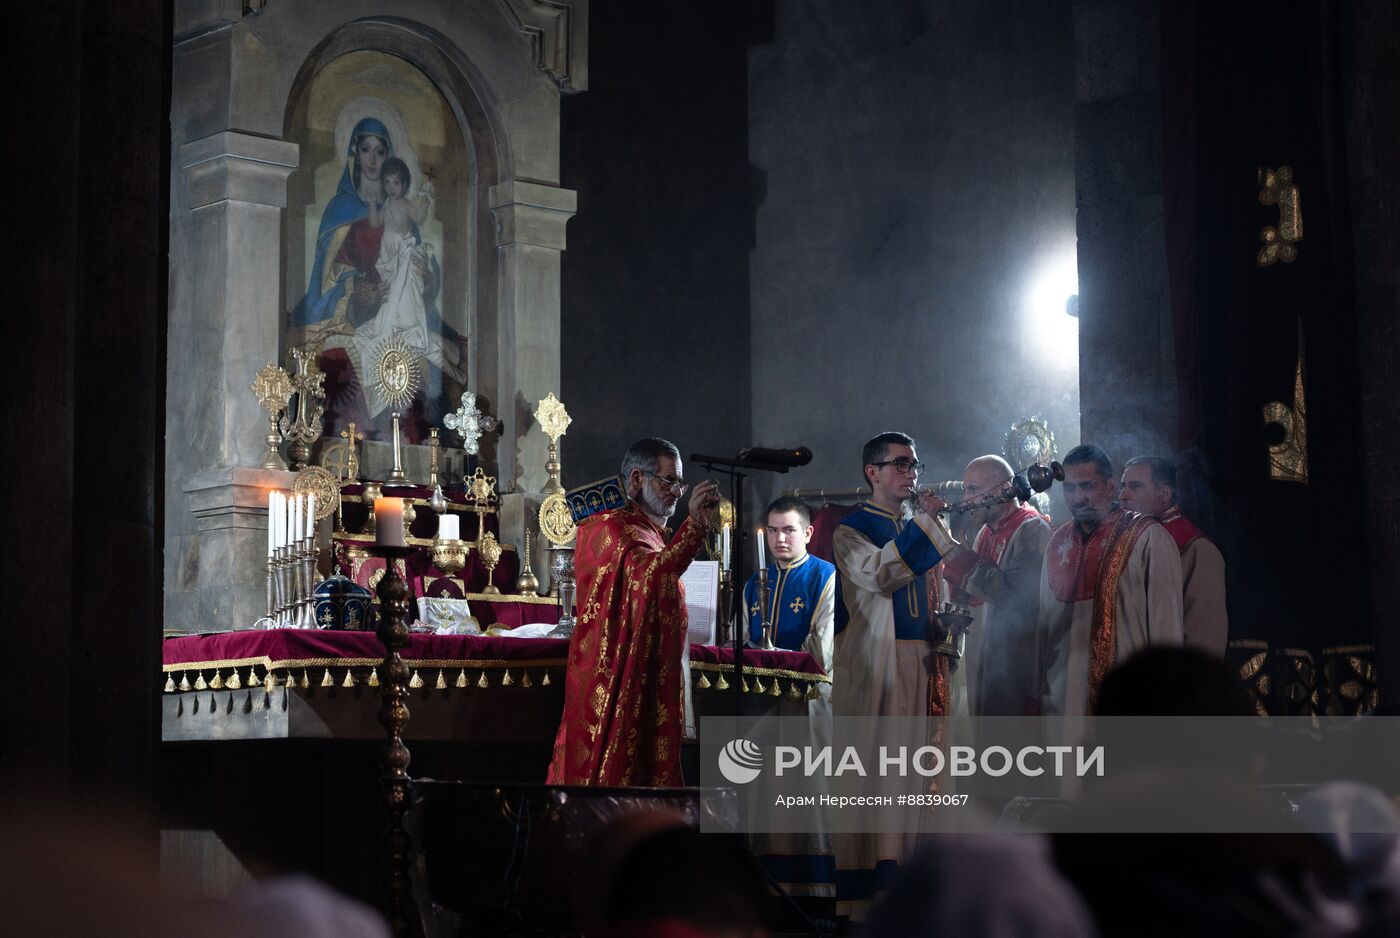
x: 721, y: 684
x: 793, y: 692
x: 415, y: 682
x: 441, y: 681
x: 812, y: 692
x: 506, y: 679
x: 199, y: 683
x: 218, y: 682
x: 349, y: 678
x: 461, y: 678
x: 233, y: 682
x: 745, y: 684
x: 525, y: 679
x: 327, y: 680
x: 704, y: 682
x: 373, y: 677
x: 775, y: 689
x: 170, y: 684
x: 482, y: 681
x: 253, y: 677
x: 545, y: 682
x: 758, y: 687
x: 305, y: 681
x: 271, y: 680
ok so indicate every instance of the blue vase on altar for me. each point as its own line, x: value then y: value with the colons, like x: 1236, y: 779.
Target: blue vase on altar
x: 341, y: 604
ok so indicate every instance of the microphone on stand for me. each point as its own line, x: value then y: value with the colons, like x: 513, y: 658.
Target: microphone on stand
x: 787, y: 458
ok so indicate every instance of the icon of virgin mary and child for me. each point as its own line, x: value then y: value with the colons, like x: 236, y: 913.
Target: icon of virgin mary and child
x: 375, y: 279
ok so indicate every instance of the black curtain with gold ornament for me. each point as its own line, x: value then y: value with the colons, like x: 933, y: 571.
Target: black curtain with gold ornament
x: 1260, y: 273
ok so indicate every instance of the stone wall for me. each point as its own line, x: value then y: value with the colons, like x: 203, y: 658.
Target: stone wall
x: 919, y: 173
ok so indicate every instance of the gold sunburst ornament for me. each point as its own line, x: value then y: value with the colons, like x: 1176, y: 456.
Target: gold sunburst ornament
x: 553, y: 420
x: 396, y: 377
x: 396, y: 373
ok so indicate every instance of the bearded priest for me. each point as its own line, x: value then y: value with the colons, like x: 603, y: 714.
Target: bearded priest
x: 624, y: 693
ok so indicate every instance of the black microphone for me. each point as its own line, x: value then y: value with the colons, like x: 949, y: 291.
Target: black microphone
x: 798, y: 456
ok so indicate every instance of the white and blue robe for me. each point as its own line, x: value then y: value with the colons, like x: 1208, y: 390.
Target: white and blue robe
x: 802, y: 606
x: 883, y: 659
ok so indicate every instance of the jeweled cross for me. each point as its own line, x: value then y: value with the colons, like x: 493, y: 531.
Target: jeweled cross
x: 469, y: 423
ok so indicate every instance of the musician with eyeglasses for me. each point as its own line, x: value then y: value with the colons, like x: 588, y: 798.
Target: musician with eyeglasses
x: 626, y: 690
x: 885, y: 663
x: 1000, y: 580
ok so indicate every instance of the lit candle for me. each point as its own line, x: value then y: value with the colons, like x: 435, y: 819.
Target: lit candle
x: 388, y: 522
x: 724, y: 546
x: 449, y: 528
x: 762, y: 558
x: 271, y: 523
x: 279, y: 518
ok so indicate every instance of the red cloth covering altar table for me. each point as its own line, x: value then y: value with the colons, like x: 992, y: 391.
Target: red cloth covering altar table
x: 284, y: 649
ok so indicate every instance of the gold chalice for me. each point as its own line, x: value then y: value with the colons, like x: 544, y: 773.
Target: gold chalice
x: 450, y: 555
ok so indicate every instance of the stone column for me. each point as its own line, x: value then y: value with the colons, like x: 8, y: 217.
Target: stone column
x: 1127, y: 365
x: 225, y: 322
x: 530, y: 220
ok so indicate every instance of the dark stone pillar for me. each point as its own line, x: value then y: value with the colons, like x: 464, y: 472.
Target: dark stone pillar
x: 85, y: 609
x: 1127, y: 383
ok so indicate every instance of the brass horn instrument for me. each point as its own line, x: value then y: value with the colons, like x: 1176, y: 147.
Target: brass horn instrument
x: 1024, y: 484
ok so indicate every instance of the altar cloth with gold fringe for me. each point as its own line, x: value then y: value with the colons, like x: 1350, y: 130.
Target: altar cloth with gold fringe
x: 232, y: 660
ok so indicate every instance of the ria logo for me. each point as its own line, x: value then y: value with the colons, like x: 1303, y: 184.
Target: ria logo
x: 740, y: 761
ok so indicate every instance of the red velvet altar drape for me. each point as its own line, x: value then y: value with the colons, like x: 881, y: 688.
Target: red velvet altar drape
x: 1247, y: 85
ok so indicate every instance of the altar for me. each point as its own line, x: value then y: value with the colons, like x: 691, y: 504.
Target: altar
x: 290, y: 684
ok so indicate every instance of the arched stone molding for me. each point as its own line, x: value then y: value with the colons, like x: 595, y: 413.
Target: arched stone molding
x: 235, y: 79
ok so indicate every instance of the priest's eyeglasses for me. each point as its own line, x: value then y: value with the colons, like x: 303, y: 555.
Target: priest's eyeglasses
x: 675, y: 485
x: 901, y: 465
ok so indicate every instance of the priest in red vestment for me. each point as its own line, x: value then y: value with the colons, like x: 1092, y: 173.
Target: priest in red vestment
x: 624, y: 694
x: 1111, y: 586
x: 1000, y: 580
x: 1149, y: 487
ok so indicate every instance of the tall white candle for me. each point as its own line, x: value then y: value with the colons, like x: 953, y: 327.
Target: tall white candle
x: 311, y: 515
x: 271, y: 525
x: 279, y: 518
x: 762, y: 554
x: 388, y: 522
x: 724, y: 546
x: 449, y: 528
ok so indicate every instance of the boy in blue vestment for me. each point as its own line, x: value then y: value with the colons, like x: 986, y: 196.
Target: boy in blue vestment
x: 802, y: 588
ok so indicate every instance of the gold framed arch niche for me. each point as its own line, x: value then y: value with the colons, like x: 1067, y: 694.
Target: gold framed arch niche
x: 368, y: 260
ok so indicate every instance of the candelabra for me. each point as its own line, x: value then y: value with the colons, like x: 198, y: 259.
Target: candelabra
x: 766, y: 638
x: 724, y: 626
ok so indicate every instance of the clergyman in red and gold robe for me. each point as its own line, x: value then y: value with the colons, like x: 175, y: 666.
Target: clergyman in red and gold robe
x: 624, y: 693
x: 1111, y: 586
